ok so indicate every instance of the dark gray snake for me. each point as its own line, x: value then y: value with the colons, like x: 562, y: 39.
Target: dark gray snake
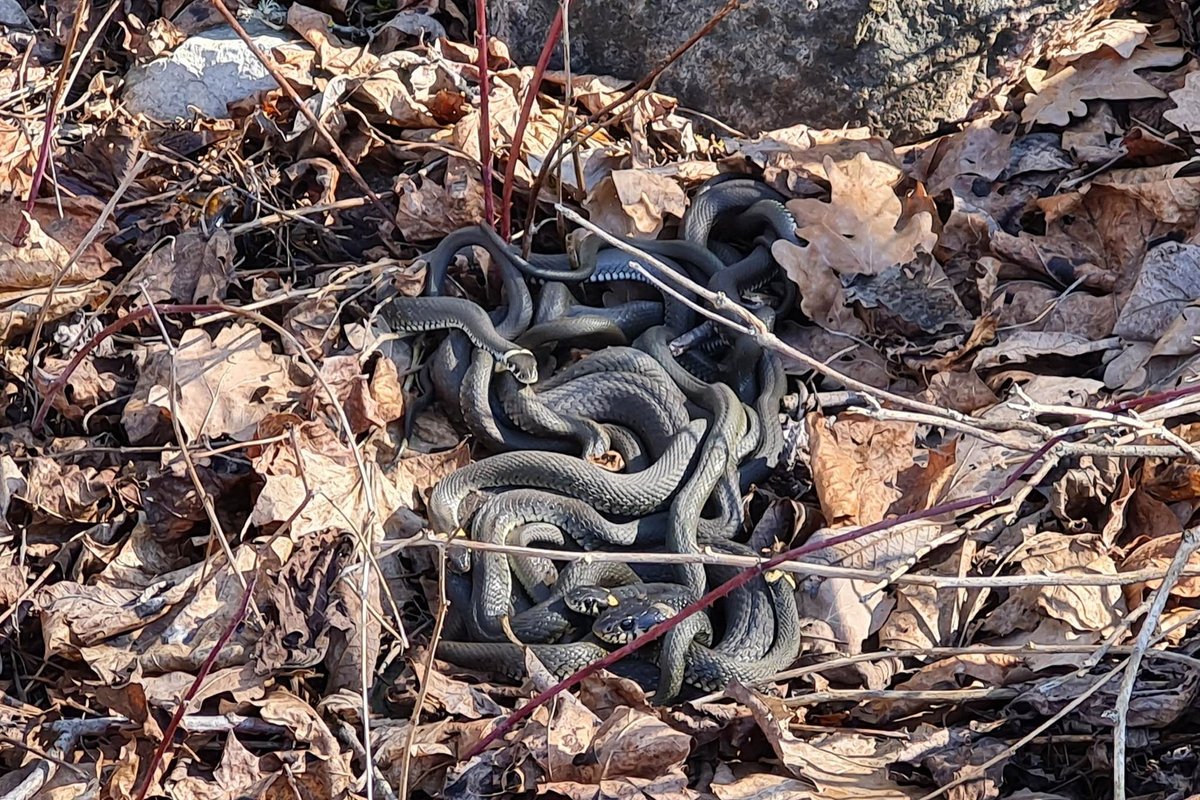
x: 690, y: 436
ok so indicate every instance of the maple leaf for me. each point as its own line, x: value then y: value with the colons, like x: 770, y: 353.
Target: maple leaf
x: 855, y: 233
x: 1104, y: 74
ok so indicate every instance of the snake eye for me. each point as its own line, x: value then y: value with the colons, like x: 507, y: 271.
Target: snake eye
x: 626, y: 624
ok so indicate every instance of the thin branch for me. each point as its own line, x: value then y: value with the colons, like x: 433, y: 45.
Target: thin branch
x: 795, y: 567
x: 485, y: 120
x: 988, y: 693
x: 1188, y: 544
x: 82, y: 12
x: 531, y: 92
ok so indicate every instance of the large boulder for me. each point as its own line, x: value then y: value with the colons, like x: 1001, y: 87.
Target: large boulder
x: 898, y: 66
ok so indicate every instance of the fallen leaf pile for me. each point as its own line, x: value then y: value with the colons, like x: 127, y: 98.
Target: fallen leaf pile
x: 213, y: 543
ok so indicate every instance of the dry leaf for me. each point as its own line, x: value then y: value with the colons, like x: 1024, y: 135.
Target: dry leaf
x: 426, y: 210
x: 838, y: 765
x: 227, y: 385
x: 1186, y: 114
x: 1105, y: 74
x: 1120, y: 35
x: 18, y: 157
x: 189, y: 268
x: 635, y: 202
x: 1157, y: 554
x: 856, y: 232
x: 27, y: 272
x: 845, y: 451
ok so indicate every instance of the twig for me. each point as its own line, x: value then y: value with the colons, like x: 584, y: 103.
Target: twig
x: 301, y: 213
x: 84, y: 243
x: 205, y: 668
x: 485, y: 121
x: 795, y: 567
x: 82, y: 11
x: 553, y: 155
x: 753, y: 326
x: 741, y: 579
x: 1188, y: 544
x: 439, y: 622
x: 306, y: 112
x: 514, y: 151
x: 932, y: 695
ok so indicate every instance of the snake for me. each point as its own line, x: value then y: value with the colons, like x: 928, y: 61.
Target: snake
x: 691, y: 430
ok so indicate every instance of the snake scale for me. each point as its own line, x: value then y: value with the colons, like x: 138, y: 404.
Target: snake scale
x: 689, y: 435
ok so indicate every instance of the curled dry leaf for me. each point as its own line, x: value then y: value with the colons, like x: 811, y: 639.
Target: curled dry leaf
x: 344, y: 375
x: 836, y: 765
x: 982, y: 149
x: 428, y: 210
x: 62, y: 491
x: 28, y: 271
x: 333, y: 54
x: 635, y: 202
x: 1157, y: 554
x: 189, y: 268
x: 1086, y: 609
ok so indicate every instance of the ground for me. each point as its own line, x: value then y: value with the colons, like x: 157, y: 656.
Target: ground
x: 217, y: 578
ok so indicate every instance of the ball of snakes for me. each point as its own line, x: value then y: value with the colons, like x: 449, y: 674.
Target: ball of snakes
x: 647, y: 443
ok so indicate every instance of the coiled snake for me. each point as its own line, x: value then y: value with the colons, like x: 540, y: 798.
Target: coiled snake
x: 692, y: 436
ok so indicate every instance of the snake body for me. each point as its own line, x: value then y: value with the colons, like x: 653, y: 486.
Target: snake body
x: 690, y: 434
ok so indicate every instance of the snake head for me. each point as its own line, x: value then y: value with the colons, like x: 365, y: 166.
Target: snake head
x: 589, y: 600
x: 522, y: 364
x: 624, y: 623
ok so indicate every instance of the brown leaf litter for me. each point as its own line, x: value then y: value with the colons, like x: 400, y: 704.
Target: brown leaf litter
x: 1030, y: 269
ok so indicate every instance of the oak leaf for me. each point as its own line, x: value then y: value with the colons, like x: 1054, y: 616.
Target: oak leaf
x: 856, y: 232
x: 1104, y: 74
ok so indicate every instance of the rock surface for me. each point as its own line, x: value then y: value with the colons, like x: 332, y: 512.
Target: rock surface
x: 899, y: 67
x: 208, y: 71
x: 12, y: 15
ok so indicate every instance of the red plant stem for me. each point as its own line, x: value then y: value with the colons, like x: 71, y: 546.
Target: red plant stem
x: 485, y: 122
x: 60, y: 87
x: 514, y: 152
x: 205, y: 668
x: 58, y: 383
x: 745, y: 576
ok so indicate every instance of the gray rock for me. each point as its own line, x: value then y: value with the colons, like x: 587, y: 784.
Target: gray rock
x: 825, y: 63
x: 12, y: 15
x: 207, y: 71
